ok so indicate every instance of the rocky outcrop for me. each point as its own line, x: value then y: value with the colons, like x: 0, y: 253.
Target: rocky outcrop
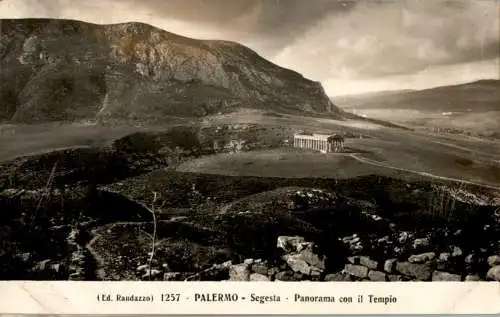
x: 69, y: 70
x: 301, y: 263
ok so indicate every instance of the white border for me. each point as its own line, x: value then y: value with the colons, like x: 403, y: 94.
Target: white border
x: 51, y: 297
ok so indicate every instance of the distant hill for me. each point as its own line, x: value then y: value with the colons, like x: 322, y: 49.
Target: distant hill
x: 482, y: 95
x: 62, y: 70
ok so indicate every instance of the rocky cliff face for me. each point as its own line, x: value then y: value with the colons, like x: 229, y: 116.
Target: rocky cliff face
x: 69, y: 70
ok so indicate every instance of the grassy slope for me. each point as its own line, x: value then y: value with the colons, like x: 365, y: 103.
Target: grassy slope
x: 479, y: 96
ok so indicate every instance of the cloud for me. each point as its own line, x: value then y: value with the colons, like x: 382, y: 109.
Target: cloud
x: 429, y: 77
x: 390, y: 38
x: 333, y: 41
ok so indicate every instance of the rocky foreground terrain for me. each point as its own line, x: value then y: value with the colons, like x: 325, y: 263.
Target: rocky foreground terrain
x: 62, y: 70
x: 122, y: 212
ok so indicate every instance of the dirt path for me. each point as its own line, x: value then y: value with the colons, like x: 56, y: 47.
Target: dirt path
x: 466, y: 149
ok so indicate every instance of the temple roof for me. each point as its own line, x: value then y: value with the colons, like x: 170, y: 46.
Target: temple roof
x: 333, y: 137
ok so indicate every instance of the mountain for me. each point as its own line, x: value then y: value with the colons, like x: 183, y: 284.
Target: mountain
x: 64, y: 70
x: 478, y: 96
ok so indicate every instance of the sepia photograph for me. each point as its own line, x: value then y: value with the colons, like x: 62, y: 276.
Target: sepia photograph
x: 250, y: 140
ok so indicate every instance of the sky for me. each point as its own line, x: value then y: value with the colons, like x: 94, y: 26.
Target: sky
x: 350, y: 46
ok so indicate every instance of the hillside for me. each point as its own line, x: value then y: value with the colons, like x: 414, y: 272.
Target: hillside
x: 62, y: 70
x: 478, y: 96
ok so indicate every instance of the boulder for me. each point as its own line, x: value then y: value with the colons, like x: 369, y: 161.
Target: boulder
x: 494, y: 260
x: 472, y: 278
x: 356, y: 270
x: 377, y: 276
x: 422, y: 258
x: 260, y: 268
x: 297, y: 264
x: 404, y: 237
x: 316, y: 273
x: 151, y: 273
x: 470, y: 259
x: 239, y: 272
x: 338, y: 277
x: 172, y: 276
x: 444, y: 257
x: 56, y: 267
x: 256, y: 277
x: 369, y: 263
x: 291, y: 244
x: 41, y: 266
x: 421, y: 243
x: 312, y: 259
x: 395, y: 278
x: 272, y: 272
x: 24, y: 257
x: 298, y: 276
x: 457, y: 252
x: 390, y: 265
x: 440, y: 276
x: 421, y: 272
x: 248, y: 261
x: 285, y: 276
x: 494, y: 273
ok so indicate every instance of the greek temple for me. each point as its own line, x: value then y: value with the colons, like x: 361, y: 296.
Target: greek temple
x: 325, y: 143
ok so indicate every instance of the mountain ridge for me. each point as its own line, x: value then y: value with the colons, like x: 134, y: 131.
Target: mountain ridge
x: 479, y: 95
x: 67, y: 70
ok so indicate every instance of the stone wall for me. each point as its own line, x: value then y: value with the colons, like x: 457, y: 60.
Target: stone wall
x: 300, y: 261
